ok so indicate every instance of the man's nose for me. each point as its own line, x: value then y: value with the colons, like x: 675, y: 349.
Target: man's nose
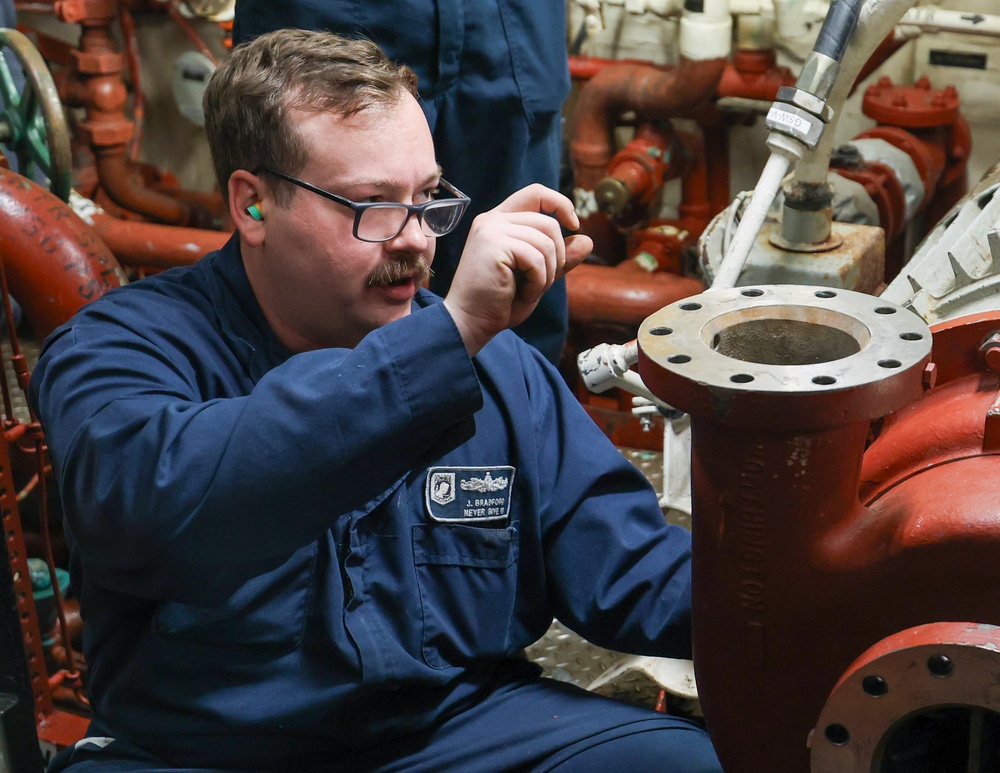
x: 412, y: 237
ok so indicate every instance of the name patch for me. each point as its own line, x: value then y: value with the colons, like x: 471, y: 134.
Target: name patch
x: 469, y: 494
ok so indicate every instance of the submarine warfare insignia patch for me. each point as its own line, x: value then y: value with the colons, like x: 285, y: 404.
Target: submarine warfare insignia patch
x: 469, y: 494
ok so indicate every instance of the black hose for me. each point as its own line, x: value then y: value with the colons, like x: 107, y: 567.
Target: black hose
x: 837, y: 28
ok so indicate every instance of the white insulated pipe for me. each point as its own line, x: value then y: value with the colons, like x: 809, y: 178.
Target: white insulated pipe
x: 877, y: 19
x: 707, y: 34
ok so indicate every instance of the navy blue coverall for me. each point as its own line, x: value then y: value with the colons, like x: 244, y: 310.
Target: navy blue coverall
x: 333, y: 560
x: 493, y: 75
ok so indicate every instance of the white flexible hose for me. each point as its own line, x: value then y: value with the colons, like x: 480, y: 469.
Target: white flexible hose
x: 751, y: 222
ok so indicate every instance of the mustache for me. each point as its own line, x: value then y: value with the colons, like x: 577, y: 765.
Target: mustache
x: 395, y: 270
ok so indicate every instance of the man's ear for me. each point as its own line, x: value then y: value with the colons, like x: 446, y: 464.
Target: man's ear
x: 246, y: 206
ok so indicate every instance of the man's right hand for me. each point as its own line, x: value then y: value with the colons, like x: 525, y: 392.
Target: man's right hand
x: 513, y: 255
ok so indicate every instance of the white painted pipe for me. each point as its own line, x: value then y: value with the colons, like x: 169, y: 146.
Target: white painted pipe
x: 707, y: 35
x: 877, y: 19
x: 931, y: 19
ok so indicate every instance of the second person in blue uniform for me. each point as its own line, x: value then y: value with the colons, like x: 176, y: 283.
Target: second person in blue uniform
x: 492, y: 75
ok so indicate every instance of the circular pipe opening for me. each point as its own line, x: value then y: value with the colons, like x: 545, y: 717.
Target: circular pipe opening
x: 943, y: 739
x: 789, y: 337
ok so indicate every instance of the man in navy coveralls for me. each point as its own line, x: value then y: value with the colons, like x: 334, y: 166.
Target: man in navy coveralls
x: 316, y: 513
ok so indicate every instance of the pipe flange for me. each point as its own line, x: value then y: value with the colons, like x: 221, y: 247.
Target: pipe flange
x: 812, y: 356
x: 912, y: 677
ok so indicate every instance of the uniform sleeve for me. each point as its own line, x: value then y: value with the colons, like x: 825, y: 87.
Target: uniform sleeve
x: 163, y: 490
x: 618, y: 573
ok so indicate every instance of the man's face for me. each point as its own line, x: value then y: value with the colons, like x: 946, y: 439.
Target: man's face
x: 319, y: 285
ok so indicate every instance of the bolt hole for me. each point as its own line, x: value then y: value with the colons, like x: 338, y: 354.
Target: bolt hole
x: 940, y: 666
x: 824, y: 380
x: 690, y: 306
x: 741, y: 378
x: 875, y: 686
x: 661, y: 331
x: 826, y: 294
x: 752, y: 293
x: 837, y: 735
x: 911, y: 336
x: 889, y: 363
x: 885, y: 310
x: 678, y: 359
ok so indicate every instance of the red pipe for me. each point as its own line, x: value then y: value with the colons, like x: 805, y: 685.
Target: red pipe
x: 792, y: 577
x: 653, y: 93
x: 808, y: 549
x: 106, y: 128
x: 637, y: 172
x: 695, y: 207
x: 584, y: 68
x: 133, y: 59
x: 148, y: 245
x: 754, y: 75
x: 623, y: 294
x: 54, y: 262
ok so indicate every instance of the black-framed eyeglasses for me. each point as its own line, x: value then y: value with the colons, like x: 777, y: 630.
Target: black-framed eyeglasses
x: 380, y: 221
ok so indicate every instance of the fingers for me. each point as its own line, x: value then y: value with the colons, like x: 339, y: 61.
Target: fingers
x: 542, y: 234
x: 538, y: 198
x: 512, y: 256
x: 577, y: 249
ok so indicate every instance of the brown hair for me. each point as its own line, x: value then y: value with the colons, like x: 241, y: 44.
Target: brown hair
x: 251, y: 93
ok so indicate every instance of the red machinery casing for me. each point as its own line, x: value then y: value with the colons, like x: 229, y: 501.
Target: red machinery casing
x: 808, y: 549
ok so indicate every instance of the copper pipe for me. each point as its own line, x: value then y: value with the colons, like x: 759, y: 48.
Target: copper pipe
x: 54, y: 262
x: 653, y: 93
x: 155, y: 246
x: 623, y: 294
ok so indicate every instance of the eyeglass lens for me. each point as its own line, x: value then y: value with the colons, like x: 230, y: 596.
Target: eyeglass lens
x: 386, y: 221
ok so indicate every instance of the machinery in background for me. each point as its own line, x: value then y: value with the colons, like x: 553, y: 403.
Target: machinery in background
x: 842, y: 451
x: 658, y: 208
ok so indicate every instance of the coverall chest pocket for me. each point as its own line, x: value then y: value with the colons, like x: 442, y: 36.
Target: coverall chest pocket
x: 267, y: 611
x: 467, y: 577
